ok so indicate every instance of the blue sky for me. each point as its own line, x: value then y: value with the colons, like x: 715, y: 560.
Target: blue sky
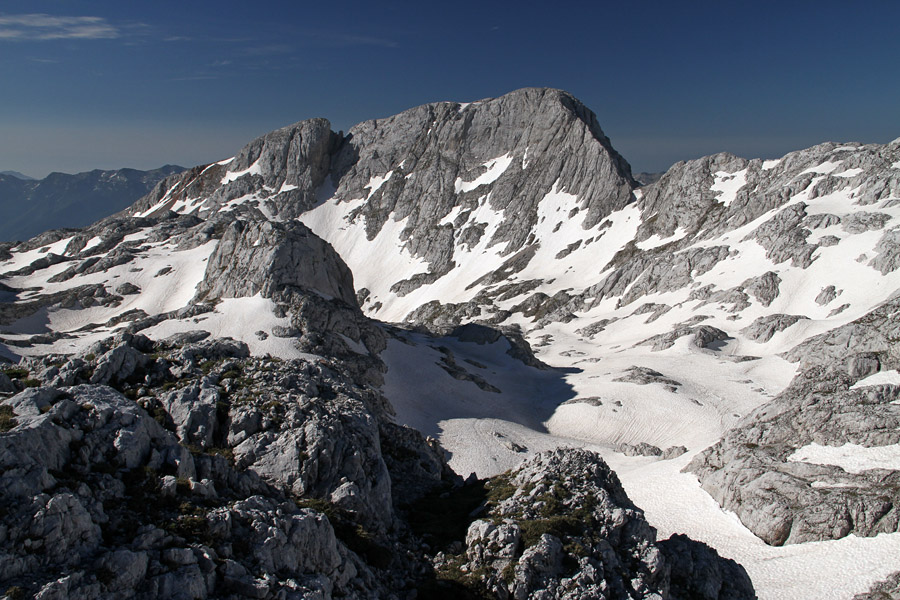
x: 102, y: 84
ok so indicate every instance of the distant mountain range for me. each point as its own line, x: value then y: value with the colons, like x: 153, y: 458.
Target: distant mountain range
x: 31, y: 206
x: 17, y: 175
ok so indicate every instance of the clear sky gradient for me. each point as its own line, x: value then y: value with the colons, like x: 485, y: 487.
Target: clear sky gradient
x: 109, y: 84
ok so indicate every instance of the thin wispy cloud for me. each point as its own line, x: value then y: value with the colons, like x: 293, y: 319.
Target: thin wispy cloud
x: 43, y: 27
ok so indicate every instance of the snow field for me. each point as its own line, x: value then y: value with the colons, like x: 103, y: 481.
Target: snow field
x: 852, y: 458
x: 159, y: 293
x: 482, y: 431
x: 240, y: 319
x: 495, y: 168
x: 254, y: 169
x: 728, y: 184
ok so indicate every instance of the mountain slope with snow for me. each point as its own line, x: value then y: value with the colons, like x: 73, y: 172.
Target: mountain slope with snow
x: 702, y: 314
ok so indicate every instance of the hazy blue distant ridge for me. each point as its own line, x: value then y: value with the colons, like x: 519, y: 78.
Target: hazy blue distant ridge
x: 17, y: 175
x: 29, y: 206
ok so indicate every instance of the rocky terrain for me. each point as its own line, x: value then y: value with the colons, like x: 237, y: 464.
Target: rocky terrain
x: 491, y: 275
x: 560, y: 526
x: 187, y: 468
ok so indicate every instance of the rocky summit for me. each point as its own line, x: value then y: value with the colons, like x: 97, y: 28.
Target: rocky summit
x: 461, y: 352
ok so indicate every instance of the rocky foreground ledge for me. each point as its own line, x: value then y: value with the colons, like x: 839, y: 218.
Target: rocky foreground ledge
x: 189, y: 469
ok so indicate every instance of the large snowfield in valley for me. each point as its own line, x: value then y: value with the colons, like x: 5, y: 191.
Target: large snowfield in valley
x: 488, y: 433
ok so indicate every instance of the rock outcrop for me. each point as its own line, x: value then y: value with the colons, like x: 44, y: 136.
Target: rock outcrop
x: 205, y: 473
x: 754, y: 471
x: 560, y: 526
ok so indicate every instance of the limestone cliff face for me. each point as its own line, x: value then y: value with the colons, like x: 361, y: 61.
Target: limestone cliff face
x: 444, y: 157
x: 288, y: 165
x: 268, y: 258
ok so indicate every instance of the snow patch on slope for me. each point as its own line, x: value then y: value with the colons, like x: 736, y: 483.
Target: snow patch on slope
x: 891, y: 377
x: 824, y: 168
x: 655, y: 241
x: 240, y: 319
x: 376, y: 182
x: 377, y: 263
x: 852, y: 458
x: 495, y: 168
x: 254, y: 169
x: 24, y: 259
x: 728, y: 184
x: 167, y: 277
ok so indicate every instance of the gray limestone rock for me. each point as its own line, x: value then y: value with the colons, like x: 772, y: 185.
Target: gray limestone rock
x: 192, y: 412
x: 267, y: 258
x: 292, y: 161
x: 763, y: 328
x: 641, y: 449
x: 861, y: 222
x: 827, y: 294
x: 673, y: 452
x: 875, y: 332
x: 118, y: 364
x: 889, y: 589
x: 764, y: 288
x: 782, y: 500
x: 708, y: 337
x: 646, y: 376
x: 441, y: 144
x: 104, y: 502
x: 784, y: 237
x: 282, y: 538
x: 127, y: 289
x: 888, y: 252
x: 594, y: 543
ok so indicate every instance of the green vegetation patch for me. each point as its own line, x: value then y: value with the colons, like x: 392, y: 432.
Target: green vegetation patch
x: 16, y: 372
x: 7, y: 418
x: 450, y: 583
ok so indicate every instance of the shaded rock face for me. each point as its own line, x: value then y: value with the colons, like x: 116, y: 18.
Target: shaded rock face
x: 560, y: 526
x: 264, y: 257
